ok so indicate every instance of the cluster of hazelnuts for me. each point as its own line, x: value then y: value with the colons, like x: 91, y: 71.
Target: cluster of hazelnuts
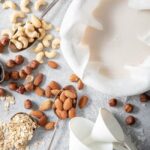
x: 130, y: 120
x: 16, y: 75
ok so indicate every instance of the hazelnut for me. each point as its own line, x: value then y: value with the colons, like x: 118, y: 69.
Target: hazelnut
x: 1, y: 48
x: 14, y: 75
x: 2, y: 92
x: 22, y: 74
x: 29, y: 86
x: 128, y: 108
x: 7, y: 76
x: 112, y: 102
x: 130, y: 120
x: 5, y: 40
x: 28, y: 104
x: 13, y: 86
x: 28, y: 70
x: 10, y: 63
x: 19, y: 59
x: 21, y: 89
x: 144, y: 97
x: 34, y: 64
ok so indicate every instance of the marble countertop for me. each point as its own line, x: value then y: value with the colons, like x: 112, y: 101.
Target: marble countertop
x: 140, y: 132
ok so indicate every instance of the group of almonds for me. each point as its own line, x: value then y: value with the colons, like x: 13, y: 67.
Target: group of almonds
x: 128, y: 107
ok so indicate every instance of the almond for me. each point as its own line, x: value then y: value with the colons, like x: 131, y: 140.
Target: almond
x: 80, y: 85
x: 61, y: 114
x: 29, y: 86
x: 46, y: 105
x: 53, y: 64
x: 67, y: 104
x: 74, y: 78
x: 70, y: 94
x: 58, y: 104
x: 39, y: 91
x: 72, y: 113
x: 36, y: 113
x: 55, y: 92
x: 38, y: 79
x: 83, y: 102
x: 54, y: 85
x: 62, y: 97
x: 42, y: 121
x: 50, y: 125
x: 48, y: 93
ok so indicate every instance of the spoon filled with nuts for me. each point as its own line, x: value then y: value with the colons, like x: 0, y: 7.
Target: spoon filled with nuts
x: 29, y: 33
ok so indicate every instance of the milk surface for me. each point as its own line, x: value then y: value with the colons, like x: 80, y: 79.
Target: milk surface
x: 118, y: 44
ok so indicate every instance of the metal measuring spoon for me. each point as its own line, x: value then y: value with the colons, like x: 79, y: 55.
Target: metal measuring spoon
x: 13, y: 48
x: 71, y: 88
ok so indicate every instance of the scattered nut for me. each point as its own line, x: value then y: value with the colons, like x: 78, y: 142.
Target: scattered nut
x: 37, y: 114
x: 21, y: 89
x: 13, y: 86
x: 53, y: 64
x: 28, y: 70
x: 144, y: 97
x: 42, y: 121
x: 5, y: 40
x: 50, y: 125
x: 54, y: 85
x: 22, y: 74
x: 28, y: 104
x: 56, y: 43
x: 83, y: 102
x: 2, y: 92
x: 130, y: 120
x: 10, y: 63
x: 74, y: 78
x: 14, y: 75
x: 113, y: 102
x: 46, y: 105
x: 29, y: 86
x: 7, y: 76
x: 38, y: 79
x: 48, y: 93
x: 128, y: 108
x: 1, y: 48
x: 80, y: 85
x: 19, y: 59
x: 72, y: 113
x: 39, y: 91
x: 34, y: 64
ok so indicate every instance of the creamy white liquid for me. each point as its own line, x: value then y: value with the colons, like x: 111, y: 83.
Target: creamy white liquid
x: 117, y: 45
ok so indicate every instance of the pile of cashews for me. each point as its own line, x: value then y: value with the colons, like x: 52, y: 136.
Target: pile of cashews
x: 33, y: 29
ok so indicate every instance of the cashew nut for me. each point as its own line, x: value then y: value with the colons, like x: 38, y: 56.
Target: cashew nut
x: 51, y: 54
x: 36, y: 21
x: 39, y: 3
x: 32, y: 34
x: 29, y: 26
x: 46, y: 26
x: 7, y: 32
x: 39, y: 57
x: 16, y: 15
x: 38, y: 48
x: 16, y: 25
x: 17, y: 44
x: 9, y: 4
x: 24, y: 7
x: 47, y: 39
x: 31, y: 40
x: 42, y: 33
x: 17, y: 34
x: 56, y: 43
x: 24, y: 41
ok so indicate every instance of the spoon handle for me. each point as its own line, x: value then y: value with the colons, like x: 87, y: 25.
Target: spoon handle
x: 53, y: 135
x: 49, y: 8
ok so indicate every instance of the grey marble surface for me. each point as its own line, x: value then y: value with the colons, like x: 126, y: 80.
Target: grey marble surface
x: 140, y: 133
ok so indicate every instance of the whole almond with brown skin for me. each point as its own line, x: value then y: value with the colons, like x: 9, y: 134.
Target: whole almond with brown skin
x: 38, y: 79
x: 80, y: 85
x: 46, y: 105
x: 36, y: 113
x: 62, y: 114
x: 53, y: 64
x: 50, y: 125
x: 28, y: 104
x: 70, y: 94
x: 83, y: 101
x: 58, y: 104
x: 74, y: 78
x: 72, y: 113
x: 62, y: 97
x: 48, y: 93
x: 29, y: 86
x: 54, y: 85
x: 67, y: 104
x: 39, y: 91
x: 43, y: 121
x: 55, y: 92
